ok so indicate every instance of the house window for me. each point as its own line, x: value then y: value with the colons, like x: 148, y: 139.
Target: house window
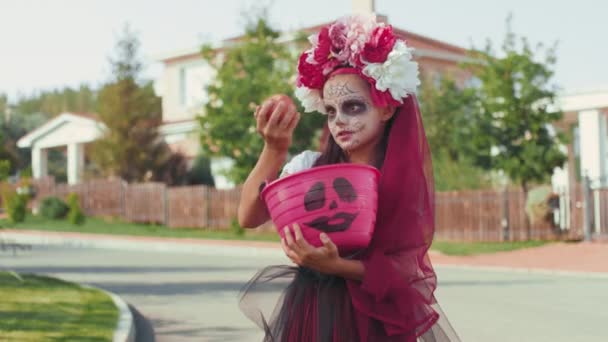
x: 182, y: 86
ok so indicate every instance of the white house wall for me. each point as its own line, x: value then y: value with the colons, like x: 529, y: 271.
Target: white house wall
x: 182, y: 87
x: 593, y: 135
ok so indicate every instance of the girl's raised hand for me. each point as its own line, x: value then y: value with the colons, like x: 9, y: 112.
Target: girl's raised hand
x: 276, y: 120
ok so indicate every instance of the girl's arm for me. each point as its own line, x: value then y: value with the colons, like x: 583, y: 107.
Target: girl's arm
x: 252, y: 211
x: 276, y: 127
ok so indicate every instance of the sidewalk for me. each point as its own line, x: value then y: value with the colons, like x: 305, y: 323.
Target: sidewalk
x: 557, y: 257
x: 573, y: 257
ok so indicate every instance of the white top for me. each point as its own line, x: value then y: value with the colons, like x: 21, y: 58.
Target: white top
x: 300, y: 162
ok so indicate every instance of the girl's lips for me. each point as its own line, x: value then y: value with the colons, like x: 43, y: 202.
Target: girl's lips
x: 345, y: 133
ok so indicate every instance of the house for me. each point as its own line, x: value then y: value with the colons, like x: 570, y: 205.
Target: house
x: 186, y: 75
x: 585, y: 117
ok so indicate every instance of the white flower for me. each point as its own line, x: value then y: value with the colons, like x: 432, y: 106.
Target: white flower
x: 311, y: 99
x: 398, y: 74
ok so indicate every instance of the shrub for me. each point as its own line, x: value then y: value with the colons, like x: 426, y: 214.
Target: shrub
x: 53, y: 208
x: 75, y: 215
x: 14, y: 204
x: 236, y: 228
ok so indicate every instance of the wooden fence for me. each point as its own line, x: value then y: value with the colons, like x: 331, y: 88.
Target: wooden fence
x: 486, y: 215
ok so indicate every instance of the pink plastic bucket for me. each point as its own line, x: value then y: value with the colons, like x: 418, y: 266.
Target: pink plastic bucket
x: 340, y: 200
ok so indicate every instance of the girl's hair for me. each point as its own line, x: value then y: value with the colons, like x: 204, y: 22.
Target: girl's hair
x: 333, y: 154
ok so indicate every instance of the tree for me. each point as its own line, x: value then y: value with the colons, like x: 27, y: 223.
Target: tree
x: 517, y: 111
x: 55, y: 101
x: 131, y: 147
x: 448, y: 112
x: 254, y: 68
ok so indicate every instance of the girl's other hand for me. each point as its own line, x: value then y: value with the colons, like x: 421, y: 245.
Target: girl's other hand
x: 276, y: 120
x: 324, y: 259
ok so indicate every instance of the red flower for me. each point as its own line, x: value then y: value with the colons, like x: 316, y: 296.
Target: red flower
x: 380, y: 44
x: 310, y: 75
x: 323, y: 49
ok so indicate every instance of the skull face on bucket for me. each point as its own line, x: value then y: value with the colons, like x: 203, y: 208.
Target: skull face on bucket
x: 316, y: 198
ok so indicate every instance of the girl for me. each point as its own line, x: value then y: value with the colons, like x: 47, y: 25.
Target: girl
x: 363, y: 79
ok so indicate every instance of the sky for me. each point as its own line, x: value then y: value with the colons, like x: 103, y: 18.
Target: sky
x: 49, y: 44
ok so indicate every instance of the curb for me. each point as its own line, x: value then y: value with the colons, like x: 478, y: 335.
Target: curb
x: 125, y: 327
x: 543, y: 271
x: 202, y: 247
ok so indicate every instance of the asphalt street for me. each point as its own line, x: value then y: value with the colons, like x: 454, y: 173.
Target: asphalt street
x: 187, y: 297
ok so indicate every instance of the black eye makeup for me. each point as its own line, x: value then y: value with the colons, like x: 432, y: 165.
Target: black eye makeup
x: 330, y: 110
x: 353, y: 107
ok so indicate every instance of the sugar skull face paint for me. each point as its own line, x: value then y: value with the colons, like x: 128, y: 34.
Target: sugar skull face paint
x: 354, y: 122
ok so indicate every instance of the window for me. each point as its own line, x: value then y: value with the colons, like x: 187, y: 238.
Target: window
x: 182, y: 86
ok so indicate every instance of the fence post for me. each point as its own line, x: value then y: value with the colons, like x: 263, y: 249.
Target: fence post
x: 165, y: 206
x: 505, y: 215
x: 586, y: 207
x: 123, y: 201
x: 207, y: 206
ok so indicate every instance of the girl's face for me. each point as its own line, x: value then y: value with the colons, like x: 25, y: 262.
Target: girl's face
x: 353, y: 120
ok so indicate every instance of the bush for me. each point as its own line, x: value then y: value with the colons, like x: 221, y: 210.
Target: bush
x: 236, y: 228
x: 200, y: 173
x: 537, y: 205
x: 75, y: 215
x: 14, y: 204
x: 53, y: 208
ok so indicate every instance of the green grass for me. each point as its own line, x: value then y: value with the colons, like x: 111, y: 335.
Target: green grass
x: 95, y: 225
x: 117, y: 227
x: 472, y: 248
x: 39, y: 308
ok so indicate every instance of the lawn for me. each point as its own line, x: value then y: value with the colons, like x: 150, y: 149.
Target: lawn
x: 472, y: 248
x: 100, y: 226
x: 38, y: 308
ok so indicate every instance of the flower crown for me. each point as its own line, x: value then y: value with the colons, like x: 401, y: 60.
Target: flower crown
x: 370, y: 49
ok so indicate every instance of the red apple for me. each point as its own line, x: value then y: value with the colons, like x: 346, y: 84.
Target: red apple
x: 278, y: 98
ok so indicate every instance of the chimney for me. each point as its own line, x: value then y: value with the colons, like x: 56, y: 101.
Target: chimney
x: 364, y: 6
x: 368, y: 7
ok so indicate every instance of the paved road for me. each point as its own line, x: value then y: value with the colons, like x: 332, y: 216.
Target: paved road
x: 193, y: 298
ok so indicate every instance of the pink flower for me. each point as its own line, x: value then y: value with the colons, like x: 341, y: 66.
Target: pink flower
x: 380, y: 44
x: 309, y: 75
x: 359, y: 30
x: 337, y: 35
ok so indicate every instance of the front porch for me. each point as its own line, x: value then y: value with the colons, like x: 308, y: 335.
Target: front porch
x: 68, y: 130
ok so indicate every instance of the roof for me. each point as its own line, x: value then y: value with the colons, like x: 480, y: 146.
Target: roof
x: 424, y: 46
x: 85, y: 120
x: 584, y: 100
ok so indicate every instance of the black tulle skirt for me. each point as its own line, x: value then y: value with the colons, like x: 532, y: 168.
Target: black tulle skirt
x: 311, y: 306
x: 297, y: 304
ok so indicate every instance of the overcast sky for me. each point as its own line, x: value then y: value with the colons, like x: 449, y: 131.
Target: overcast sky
x: 46, y: 44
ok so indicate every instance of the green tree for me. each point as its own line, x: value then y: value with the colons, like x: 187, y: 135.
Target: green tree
x: 55, y: 101
x: 518, y: 109
x: 448, y: 112
x: 131, y: 147
x: 255, y: 67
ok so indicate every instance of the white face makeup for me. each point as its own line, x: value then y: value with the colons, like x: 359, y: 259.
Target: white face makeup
x: 354, y: 122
